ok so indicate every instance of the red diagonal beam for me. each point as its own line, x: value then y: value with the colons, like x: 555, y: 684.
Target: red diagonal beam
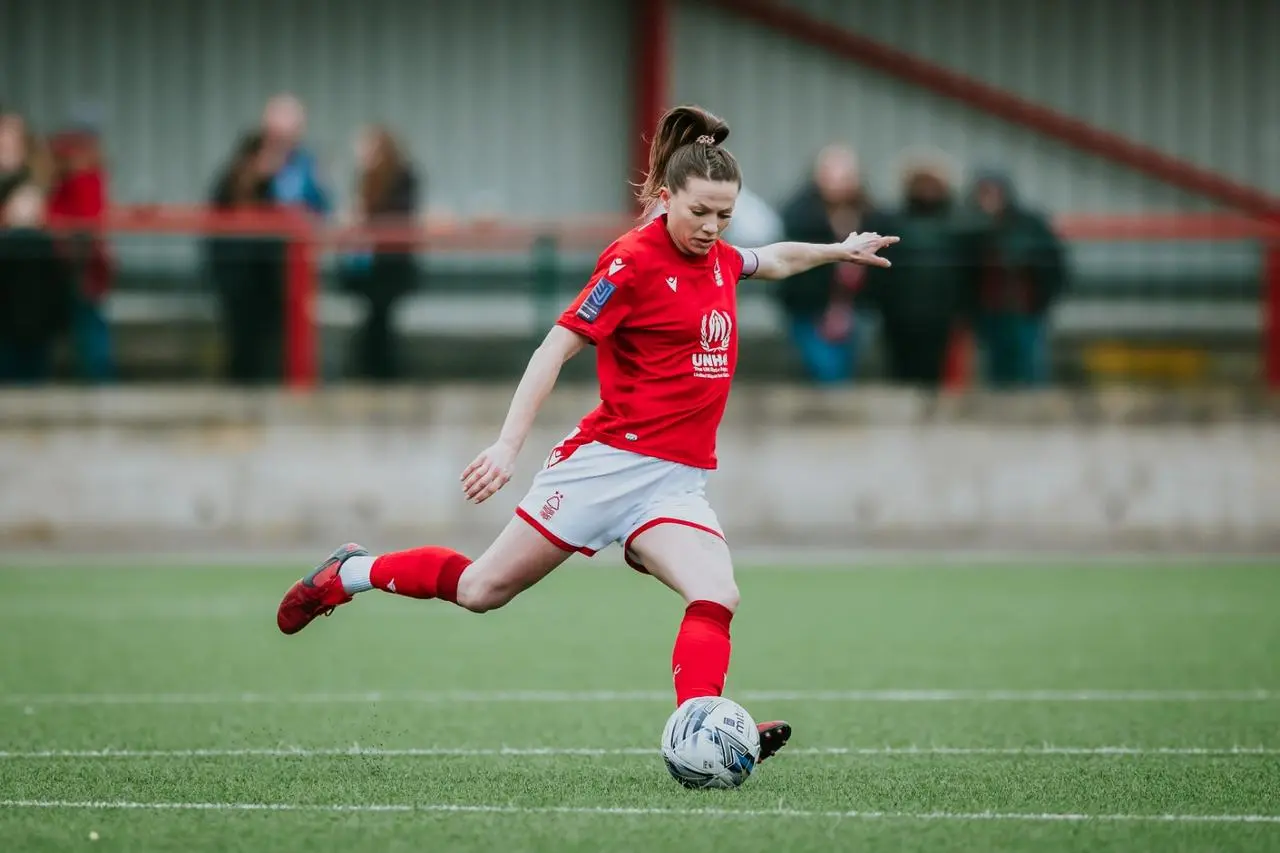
x: 997, y: 102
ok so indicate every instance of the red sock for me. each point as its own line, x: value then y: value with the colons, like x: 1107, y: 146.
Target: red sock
x: 430, y: 572
x: 700, y: 660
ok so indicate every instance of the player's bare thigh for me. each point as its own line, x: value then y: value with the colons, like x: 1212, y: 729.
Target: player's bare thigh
x: 693, y: 562
x: 517, y: 559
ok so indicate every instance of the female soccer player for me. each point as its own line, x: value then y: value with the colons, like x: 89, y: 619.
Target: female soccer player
x: 661, y: 310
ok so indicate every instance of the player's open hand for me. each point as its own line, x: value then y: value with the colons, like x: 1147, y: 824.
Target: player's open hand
x: 488, y: 473
x: 862, y: 248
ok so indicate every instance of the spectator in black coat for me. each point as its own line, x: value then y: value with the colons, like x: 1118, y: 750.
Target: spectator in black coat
x: 928, y: 295
x: 37, y: 292
x: 386, y: 193
x: 247, y: 272
x: 13, y: 166
x: 1022, y: 274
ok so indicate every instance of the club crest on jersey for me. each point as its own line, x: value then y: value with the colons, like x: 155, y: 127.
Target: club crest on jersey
x: 717, y: 333
x: 589, y: 310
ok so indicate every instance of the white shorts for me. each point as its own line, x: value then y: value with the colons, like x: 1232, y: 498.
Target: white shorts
x: 588, y: 496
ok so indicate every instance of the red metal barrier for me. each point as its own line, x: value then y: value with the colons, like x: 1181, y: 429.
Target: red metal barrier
x: 651, y: 33
x: 957, y: 373
x: 300, y: 340
x: 441, y: 235
x: 308, y: 238
x: 1271, y: 321
x: 587, y: 231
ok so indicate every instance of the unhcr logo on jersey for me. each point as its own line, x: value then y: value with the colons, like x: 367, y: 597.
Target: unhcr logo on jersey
x: 717, y: 332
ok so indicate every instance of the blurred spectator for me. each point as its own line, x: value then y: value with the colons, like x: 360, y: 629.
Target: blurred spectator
x: 296, y: 182
x: 18, y: 158
x: 248, y: 272
x: 925, y: 298
x: 386, y: 192
x: 36, y: 291
x: 819, y: 304
x: 754, y: 222
x: 80, y: 191
x: 1022, y: 274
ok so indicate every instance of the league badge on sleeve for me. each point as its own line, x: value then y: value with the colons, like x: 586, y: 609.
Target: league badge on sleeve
x: 590, y: 308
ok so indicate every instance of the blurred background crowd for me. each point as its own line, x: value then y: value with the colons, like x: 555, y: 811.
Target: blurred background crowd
x: 975, y: 289
x: 972, y: 256
x: 55, y: 287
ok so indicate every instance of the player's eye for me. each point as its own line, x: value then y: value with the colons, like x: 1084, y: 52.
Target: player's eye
x: 727, y: 215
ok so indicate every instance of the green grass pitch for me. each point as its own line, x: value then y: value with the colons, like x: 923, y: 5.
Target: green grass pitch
x: 1114, y: 707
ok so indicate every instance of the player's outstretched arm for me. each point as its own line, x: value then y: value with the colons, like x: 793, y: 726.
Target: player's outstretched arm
x: 491, y: 470
x: 783, y: 260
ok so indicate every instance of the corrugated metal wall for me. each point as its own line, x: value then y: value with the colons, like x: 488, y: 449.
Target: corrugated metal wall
x: 520, y: 105
x: 1199, y: 80
x: 525, y: 105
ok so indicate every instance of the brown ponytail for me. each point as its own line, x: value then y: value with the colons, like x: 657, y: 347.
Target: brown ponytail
x: 687, y: 145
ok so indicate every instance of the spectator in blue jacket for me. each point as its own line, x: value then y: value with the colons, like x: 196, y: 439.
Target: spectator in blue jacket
x: 284, y: 122
x: 819, y: 305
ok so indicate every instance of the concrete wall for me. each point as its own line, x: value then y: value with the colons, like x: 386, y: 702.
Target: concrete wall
x: 866, y: 469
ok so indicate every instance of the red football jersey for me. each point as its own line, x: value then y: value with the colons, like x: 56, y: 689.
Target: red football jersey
x: 665, y: 328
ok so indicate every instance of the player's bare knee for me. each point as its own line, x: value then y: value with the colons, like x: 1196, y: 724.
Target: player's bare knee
x: 480, y: 593
x: 724, y: 594
x: 729, y: 597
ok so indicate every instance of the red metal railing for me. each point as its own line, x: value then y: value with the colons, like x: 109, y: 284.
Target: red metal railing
x: 1271, y: 309
x: 306, y: 238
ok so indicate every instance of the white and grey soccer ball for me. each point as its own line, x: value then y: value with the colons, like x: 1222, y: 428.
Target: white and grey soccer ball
x: 710, y: 742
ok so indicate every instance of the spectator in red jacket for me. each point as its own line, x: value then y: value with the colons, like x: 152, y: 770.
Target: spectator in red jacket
x: 80, y: 191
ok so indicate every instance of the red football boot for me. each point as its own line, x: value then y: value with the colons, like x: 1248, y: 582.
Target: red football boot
x: 317, y: 593
x: 773, y: 737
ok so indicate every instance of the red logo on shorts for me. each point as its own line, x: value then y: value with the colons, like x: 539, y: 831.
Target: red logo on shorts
x: 552, y: 504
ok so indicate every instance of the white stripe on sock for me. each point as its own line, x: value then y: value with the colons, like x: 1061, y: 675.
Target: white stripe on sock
x: 354, y: 574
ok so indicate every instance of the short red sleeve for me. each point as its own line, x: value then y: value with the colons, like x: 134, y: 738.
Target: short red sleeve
x: 606, y: 300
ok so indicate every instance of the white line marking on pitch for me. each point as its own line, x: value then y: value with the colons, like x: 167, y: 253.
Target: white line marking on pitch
x: 463, y: 752
x: 580, y: 696
x: 642, y: 812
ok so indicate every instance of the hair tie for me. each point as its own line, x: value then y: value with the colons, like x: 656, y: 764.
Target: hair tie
x: 706, y: 140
